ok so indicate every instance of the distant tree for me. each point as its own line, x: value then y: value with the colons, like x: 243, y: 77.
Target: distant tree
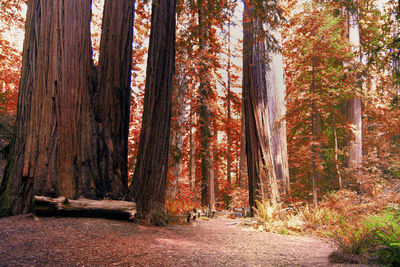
x: 150, y: 176
x: 353, y: 106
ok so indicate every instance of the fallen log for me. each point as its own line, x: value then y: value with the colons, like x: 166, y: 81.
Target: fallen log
x: 83, y: 207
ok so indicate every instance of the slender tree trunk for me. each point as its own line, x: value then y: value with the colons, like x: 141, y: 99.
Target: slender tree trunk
x: 354, y: 104
x: 276, y: 91
x: 258, y: 148
x: 115, y: 64
x: 150, y: 176
x: 336, y: 151
x: 316, y: 131
x: 243, y: 158
x: 192, y: 152
x: 205, y: 108
x: 228, y: 128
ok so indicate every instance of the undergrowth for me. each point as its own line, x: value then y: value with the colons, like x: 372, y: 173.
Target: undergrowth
x: 365, y: 229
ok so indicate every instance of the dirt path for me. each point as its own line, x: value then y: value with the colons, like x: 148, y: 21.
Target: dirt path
x: 98, y: 242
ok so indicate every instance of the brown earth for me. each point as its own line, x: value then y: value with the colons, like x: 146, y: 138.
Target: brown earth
x: 28, y: 241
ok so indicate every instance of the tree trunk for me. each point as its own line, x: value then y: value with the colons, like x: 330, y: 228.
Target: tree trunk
x: 150, y: 176
x: 276, y: 91
x: 228, y: 99
x: 60, y: 147
x: 83, y: 207
x: 354, y: 104
x: 316, y: 131
x: 115, y: 64
x: 56, y: 151
x: 205, y: 108
x: 15, y: 190
x: 258, y: 148
x: 177, y: 127
x: 192, y: 156
x: 243, y: 158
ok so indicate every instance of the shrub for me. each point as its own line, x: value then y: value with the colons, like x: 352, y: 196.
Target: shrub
x: 375, y: 238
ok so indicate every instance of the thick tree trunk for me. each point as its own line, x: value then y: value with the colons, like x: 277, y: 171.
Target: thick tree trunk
x: 276, y: 91
x: 205, y: 109
x: 15, y: 190
x: 60, y: 147
x: 114, y: 92
x: 258, y: 148
x: 150, y: 176
x: 354, y: 104
x: 58, y: 144
x: 83, y: 207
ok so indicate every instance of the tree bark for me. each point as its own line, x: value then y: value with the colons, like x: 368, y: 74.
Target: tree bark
x: 150, y: 176
x: 60, y: 147
x: 56, y: 151
x: 243, y: 158
x: 83, y: 207
x: 16, y: 189
x: 229, y: 116
x: 276, y: 92
x: 114, y: 91
x: 354, y: 105
x: 177, y: 126
x: 192, y: 159
x: 258, y: 148
x: 316, y: 131
x: 205, y: 108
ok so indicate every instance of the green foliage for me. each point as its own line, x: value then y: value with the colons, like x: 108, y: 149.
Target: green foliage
x: 376, y: 238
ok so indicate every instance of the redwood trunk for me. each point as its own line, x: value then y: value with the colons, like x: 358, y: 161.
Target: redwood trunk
x: 258, y: 148
x: 115, y: 64
x: 150, y: 176
x: 177, y: 127
x: 205, y: 109
x: 354, y: 104
x: 56, y: 148
x: 60, y: 147
x: 276, y: 91
x: 242, y: 159
x: 192, y: 156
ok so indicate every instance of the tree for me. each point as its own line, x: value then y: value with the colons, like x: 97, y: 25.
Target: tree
x: 207, y: 178
x: 150, y: 176
x: 114, y: 90
x: 258, y: 148
x: 60, y: 147
x: 353, y: 105
x: 276, y: 92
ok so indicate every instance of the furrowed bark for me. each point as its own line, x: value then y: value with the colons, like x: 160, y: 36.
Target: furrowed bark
x: 114, y: 92
x: 258, y: 148
x: 276, y: 91
x: 205, y: 109
x: 150, y: 176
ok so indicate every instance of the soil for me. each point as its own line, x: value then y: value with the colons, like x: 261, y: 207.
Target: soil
x: 31, y: 241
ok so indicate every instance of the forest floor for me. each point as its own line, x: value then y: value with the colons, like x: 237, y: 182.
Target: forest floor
x: 28, y: 241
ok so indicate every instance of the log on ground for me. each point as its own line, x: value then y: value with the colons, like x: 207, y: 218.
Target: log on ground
x: 83, y: 207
